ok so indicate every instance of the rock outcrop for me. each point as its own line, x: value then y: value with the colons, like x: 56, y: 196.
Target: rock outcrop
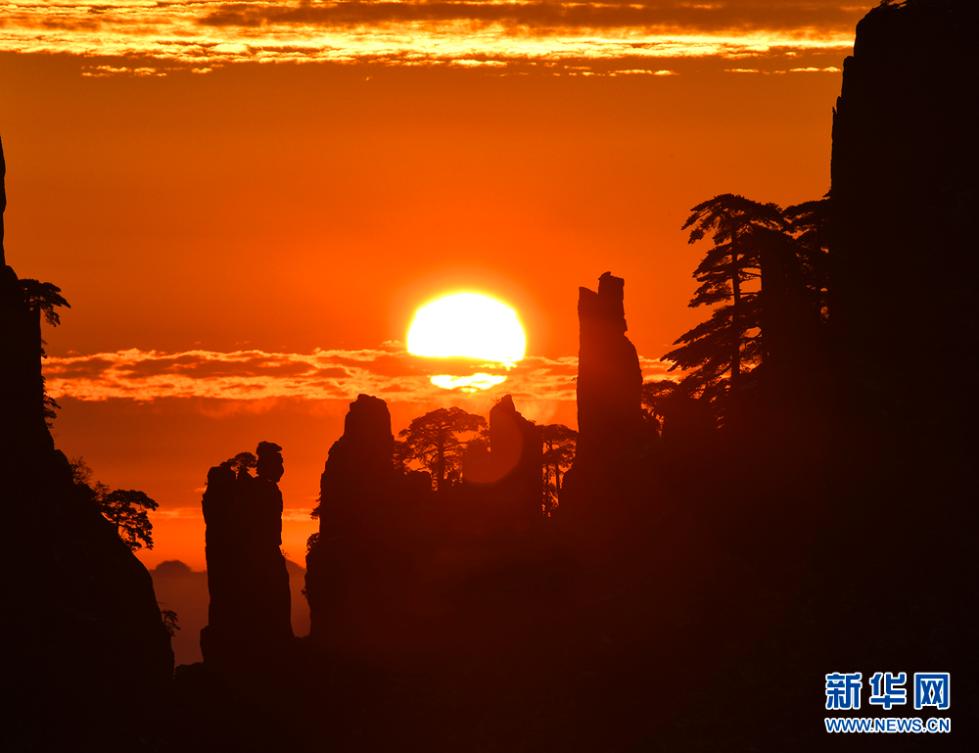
x: 359, y: 469
x: 904, y: 191
x: 390, y: 551
x: 80, y: 621
x: 609, y: 377
x: 610, y: 425
x: 352, y: 563
x: 509, y: 469
x: 249, y: 615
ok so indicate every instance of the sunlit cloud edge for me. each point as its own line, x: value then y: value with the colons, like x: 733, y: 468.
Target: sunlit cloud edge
x: 256, y: 375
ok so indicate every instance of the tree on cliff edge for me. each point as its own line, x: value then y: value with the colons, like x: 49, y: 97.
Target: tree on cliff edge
x: 809, y: 222
x: 717, y: 352
x: 43, y: 300
x: 436, y: 442
x: 127, y: 509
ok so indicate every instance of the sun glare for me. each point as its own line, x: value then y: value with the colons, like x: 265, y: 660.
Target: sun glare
x: 469, y: 327
x: 471, y: 383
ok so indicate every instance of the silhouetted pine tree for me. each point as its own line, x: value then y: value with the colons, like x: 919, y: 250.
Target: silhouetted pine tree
x: 559, y: 446
x: 809, y: 224
x: 435, y: 442
x: 720, y: 351
x: 127, y: 509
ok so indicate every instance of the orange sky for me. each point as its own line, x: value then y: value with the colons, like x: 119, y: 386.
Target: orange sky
x: 245, y: 203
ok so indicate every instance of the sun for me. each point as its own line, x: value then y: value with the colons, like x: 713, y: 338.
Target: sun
x: 468, y: 325
x: 472, y: 327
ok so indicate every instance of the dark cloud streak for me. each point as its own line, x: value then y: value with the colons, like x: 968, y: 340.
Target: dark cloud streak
x: 679, y: 17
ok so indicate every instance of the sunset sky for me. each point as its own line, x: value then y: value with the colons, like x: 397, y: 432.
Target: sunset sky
x: 245, y: 202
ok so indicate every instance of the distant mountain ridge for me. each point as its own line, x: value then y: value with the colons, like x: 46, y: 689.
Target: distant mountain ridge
x: 184, y: 590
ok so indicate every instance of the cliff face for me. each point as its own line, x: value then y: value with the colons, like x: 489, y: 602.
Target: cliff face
x: 249, y: 613
x: 904, y: 177
x: 22, y: 396
x: 80, y: 619
x: 3, y: 203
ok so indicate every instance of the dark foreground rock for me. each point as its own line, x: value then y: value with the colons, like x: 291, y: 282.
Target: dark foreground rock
x: 88, y: 657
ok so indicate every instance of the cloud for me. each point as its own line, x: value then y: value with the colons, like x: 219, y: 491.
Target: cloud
x: 103, y: 71
x: 199, y: 35
x: 546, y: 14
x: 260, y: 378
x: 783, y: 71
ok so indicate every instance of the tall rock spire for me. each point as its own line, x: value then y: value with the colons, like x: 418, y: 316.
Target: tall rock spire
x: 248, y: 583
x: 610, y: 427
x: 609, y: 377
x: 360, y: 500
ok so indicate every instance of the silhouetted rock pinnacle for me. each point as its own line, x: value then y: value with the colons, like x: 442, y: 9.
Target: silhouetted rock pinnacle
x: 610, y: 425
x: 516, y: 455
x: 359, y: 468
x: 357, y: 488
x: 249, y: 613
x: 609, y: 377
x: 362, y: 456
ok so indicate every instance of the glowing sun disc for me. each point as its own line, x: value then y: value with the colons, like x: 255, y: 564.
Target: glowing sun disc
x: 468, y: 325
